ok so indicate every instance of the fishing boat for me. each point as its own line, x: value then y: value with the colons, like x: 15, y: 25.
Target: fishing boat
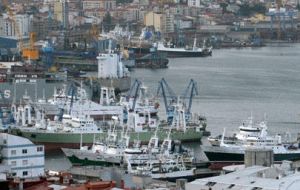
x: 77, y: 99
x: 107, y: 153
x: 141, y: 117
x: 114, y: 152
x: 252, y: 136
x: 166, y: 169
x: 173, y: 51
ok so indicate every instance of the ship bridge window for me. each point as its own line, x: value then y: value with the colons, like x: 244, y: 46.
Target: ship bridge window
x: 13, y: 152
x: 25, y: 173
x: 39, y: 148
x: 256, y: 188
x: 210, y: 184
x: 231, y: 186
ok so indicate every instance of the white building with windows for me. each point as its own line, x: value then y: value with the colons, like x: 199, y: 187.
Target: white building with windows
x: 25, y: 159
x: 194, y: 3
x: 17, y: 27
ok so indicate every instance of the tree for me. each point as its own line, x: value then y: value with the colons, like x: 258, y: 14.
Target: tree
x: 124, y: 1
x: 224, y: 7
x: 248, y: 10
x: 107, y: 21
x: 245, y: 10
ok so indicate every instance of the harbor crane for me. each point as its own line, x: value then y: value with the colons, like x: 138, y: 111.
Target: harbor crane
x: 188, y: 94
x: 166, y: 92
x: 133, y: 92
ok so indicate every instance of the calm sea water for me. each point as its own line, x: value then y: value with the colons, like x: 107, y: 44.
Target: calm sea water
x: 232, y: 84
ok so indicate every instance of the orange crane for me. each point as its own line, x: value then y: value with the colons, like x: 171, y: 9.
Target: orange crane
x: 31, y: 52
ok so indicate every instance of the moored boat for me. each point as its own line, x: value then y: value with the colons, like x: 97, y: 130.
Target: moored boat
x: 251, y: 137
x: 173, y: 51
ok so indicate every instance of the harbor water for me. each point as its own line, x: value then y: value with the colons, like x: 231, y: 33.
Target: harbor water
x: 232, y: 85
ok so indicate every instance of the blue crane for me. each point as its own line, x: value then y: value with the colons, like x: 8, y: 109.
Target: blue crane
x: 72, y: 92
x: 281, y: 17
x: 166, y: 92
x: 133, y: 92
x: 188, y: 94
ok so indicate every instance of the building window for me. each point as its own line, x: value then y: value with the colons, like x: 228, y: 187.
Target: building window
x: 13, y: 152
x: 24, y: 151
x: 25, y: 173
x: 25, y: 162
x: 14, y: 174
x: 13, y: 163
x: 39, y: 148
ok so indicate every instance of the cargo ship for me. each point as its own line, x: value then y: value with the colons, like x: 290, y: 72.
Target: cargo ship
x: 17, y: 77
x: 55, y: 139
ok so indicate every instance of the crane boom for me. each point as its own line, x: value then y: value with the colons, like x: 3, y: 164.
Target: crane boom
x: 189, y: 93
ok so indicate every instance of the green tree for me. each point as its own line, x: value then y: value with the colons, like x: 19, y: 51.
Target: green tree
x: 107, y: 21
x: 224, y: 7
x: 248, y: 10
x: 124, y: 1
x: 245, y: 10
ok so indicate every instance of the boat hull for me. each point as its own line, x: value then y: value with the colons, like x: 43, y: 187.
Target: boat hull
x: 238, y: 157
x: 78, y: 157
x: 176, y: 54
x: 172, y: 176
x: 55, y: 140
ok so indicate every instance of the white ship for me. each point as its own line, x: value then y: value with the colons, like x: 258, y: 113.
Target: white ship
x: 249, y: 137
x: 173, y: 51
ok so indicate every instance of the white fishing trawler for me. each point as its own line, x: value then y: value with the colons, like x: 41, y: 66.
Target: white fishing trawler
x: 108, y: 152
x: 166, y: 169
x: 173, y: 51
x: 77, y: 100
x: 232, y: 150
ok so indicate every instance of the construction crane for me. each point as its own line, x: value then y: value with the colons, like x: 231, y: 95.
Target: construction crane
x: 31, y: 52
x: 15, y: 25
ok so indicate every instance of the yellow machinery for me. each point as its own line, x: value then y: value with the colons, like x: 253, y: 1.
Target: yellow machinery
x: 31, y: 53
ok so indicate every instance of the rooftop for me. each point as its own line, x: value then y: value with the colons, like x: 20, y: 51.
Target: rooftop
x: 252, y: 178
